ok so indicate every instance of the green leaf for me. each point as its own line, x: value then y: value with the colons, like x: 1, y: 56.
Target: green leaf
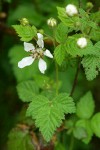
x: 60, y: 53
x: 95, y: 124
x: 41, y: 80
x: 80, y: 133
x: 85, y: 129
x: 20, y: 140
x: 95, y: 34
x: 67, y: 20
x: 85, y: 106
x: 61, y: 33
x: 73, y: 49
x: 97, y: 48
x: 49, y: 94
x: 91, y: 64
x: 92, y: 24
x: 65, y: 102
x: 85, y: 21
x: 16, y: 53
x: 95, y: 17
x: 27, y: 90
x: 26, y: 33
x: 45, y: 82
x: 46, y: 112
x: 83, y: 13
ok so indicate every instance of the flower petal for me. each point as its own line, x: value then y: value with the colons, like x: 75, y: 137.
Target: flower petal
x: 42, y: 65
x: 28, y: 47
x: 40, y: 41
x: 48, y: 54
x: 40, y: 36
x: 25, y: 62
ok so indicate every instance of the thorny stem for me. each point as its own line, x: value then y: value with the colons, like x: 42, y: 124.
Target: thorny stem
x: 76, y: 77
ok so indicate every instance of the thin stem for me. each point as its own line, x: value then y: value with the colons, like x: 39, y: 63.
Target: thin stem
x: 75, y: 79
x: 71, y: 93
x: 57, y: 80
x: 56, y: 65
x: 71, y: 143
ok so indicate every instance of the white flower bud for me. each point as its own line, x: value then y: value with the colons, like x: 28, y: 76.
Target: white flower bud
x: 71, y: 10
x: 82, y: 42
x: 52, y: 22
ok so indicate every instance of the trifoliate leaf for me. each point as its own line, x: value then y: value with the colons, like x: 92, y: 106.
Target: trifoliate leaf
x: 26, y: 33
x: 61, y: 33
x: 73, y: 49
x: 85, y: 129
x: 67, y: 20
x: 48, y: 113
x: 27, y: 90
x: 91, y: 64
x: 95, y: 124
x: 20, y: 140
x: 16, y: 53
x: 85, y: 106
x: 60, y: 53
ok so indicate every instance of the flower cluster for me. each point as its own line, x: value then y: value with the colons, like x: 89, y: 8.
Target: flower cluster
x: 36, y: 53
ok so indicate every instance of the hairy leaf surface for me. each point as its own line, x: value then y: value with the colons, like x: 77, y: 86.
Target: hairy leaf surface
x: 27, y: 90
x: 26, y: 33
x: 49, y: 113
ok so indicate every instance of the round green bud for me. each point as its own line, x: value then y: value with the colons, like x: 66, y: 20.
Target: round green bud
x: 24, y: 21
x: 89, y: 5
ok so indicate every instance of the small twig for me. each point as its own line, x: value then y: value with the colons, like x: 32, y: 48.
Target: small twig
x: 35, y: 141
x: 75, y: 79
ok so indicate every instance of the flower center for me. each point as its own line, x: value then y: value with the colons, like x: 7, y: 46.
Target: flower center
x: 37, y: 53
